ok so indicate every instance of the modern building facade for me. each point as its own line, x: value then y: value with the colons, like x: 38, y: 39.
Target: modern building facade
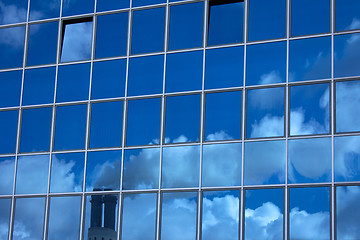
x: 179, y: 120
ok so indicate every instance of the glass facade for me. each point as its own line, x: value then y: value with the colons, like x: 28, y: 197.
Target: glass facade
x: 179, y: 119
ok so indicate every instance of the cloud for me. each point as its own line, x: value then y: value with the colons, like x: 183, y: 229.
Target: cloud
x: 105, y: 175
x: 268, y: 126
x: 12, y: 37
x: 298, y: 126
x: 347, y: 55
x: 11, y: 13
x: 267, y: 98
x: 355, y: 24
x: 347, y: 164
x: 271, y: 77
x: 7, y: 167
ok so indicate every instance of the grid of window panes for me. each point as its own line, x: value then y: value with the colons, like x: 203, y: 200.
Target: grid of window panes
x: 166, y: 119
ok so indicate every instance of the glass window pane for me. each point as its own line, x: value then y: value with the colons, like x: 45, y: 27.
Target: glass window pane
x: 184, y: 71
x: 347, y: 15
x: 67, y: 172
x: 347, y: 159
x: 138, y: 3
x: 10, y: 88
x: 143, y: 122
x: 70, y: 127
x: 304, y: 13
x: 12, y: 44
x: 186, y: 26
x: 309, y: 160
x: 73, y: 83
x: 148, y: 31
x: 32, y: 174
x: 5, y: 207
x: 107, y: 5
x: 180, y: 167
x: 35, y: 130
x: 42, y: 43
x: 264, y: 214
x: 108, y: 79
x: 178, y: 216
x: 309, y: 213
x: 141, y: 168
x: 309, y: 109
x: 7, y: 169
x: 347, y: 106
x: 39, y: 85
x: 64, y: 218
x: 111, y: 35
x: 106, y: 124
x: 221, y: 165
x: 226, y: 22
x: 265, y: 113
x: 146, y: 75
x: 224, y: 67
x: 76, y: 7
x: 13, y: 11
x: 347, y: 59
x: 267, y: 19
x: 40, y: 9
x: 265, y: 162
x: 182, y: 120
x: 8, y: 131
x: 139, y: 212
x: 103, y: 170
x: 266, y: 63
x: 310, y: 59
x: 220, y: 215
x: 29, y: 218
x: 223, y: 116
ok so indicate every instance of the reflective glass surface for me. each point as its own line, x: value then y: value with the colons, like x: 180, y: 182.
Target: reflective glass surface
x: 5, y: 207
x: 73, y: 83
x: 221, y: 165
x: 182, y: 120
x: 309, y: 160
x: 347, y: 107
x: 310, y: 59
x: 146, y: 75
x: 103, y: 170
x: 180, y: 167
x: 10, y: 88
x: 143, y: 122
x: 76, y: 7
x: 347, y: 158
x: 186, y: 26
x: 40, y: 9
x: 106, y: 124
x: 266, y: 63
x: 11, y: 44
x: 138, y: 3
x: 13, y: 11
x: 148, y: 31
x: 67, y: 172
x: 139, y: 212
x: 309, y: 213
x: 42, y: 43
x: 264, y: 162
x: 107, y: 5
x: 347, y: 15
x: 178, y: 216
x: 226, y: 22
x: 111, y: 35
x: 32, y: 174
x: 8, y: 131
x: 304, y: 15
x: 347, y: 59
x: 264, y: 209
x: 220, y: 215
x: 309, y: 109
x: 141, y: 168
x: 70, y: 127
x: 265, y: 113
x: 7, y: 168
x: 35, y: 130
x: 39, y: 85
x: 224, y: 67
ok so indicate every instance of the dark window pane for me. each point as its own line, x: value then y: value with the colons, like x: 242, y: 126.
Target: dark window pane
x: 141, y: 168
x: 106, y: 124
x: 13, y: 11
x: 310, y: 59
x: 107, y: 5
x: 42, y: 43
x: 310, y: 17
x: 35, y: 130
x: 266, y: 63
x: 347, y: 58
x: 221, y: 165
x: 224, y: 67
x: 73, y: 83
x: 186, y: 26
x: 347, y: 159
x: 146, y: 75
x: 40, y: 9
x: 347, y: 15
x: 7, y: 168
x: 148, y: 31
x: 108, y: 79
x: 226, y: 22
x: 182, y: 120
x: 39, y: 85
x: 8, y: 131
x: 70, y: 127
x: 10, y: 88
x: 111, y: 35
x: 265, y: 113
x: 143, y: 122
x: 138, y: 3
x: 76, y: 7
x: 12, y: 44
x: 5, y: 207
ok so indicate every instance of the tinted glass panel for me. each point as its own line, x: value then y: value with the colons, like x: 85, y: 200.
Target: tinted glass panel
x: 5, y: 206
x: 347, y: 15
x: 12, y: 44
x: 8, y: 131
x: 13, y: 11
x: 106, y: 5
x: 75, y: 7
x: 137, y: 3
x: 347, y: 158
x: 7, y: 168
x: 10, y: 88
x: 347, y: 59
x: 40, y: 9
